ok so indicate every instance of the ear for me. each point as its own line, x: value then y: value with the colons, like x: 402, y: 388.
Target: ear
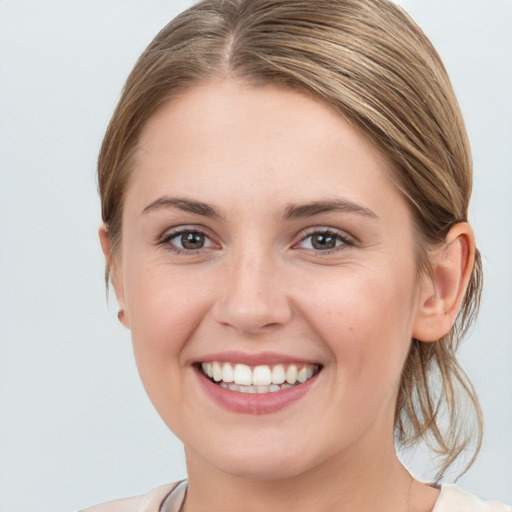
x: 115, y: 272
x: 443, y: 290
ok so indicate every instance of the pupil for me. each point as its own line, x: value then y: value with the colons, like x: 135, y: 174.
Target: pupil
x: 324, y: 242
x: 192, y: 240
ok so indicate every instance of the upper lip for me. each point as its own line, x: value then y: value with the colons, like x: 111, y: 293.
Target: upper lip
x: 256, y: 359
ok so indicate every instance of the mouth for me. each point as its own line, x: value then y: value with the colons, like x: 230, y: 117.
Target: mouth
x: 258, y: 379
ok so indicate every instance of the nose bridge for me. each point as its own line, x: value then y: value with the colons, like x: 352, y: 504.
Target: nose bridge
x: 253, y: 295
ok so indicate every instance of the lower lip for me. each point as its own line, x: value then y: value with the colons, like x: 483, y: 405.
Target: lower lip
x: 254, y: 403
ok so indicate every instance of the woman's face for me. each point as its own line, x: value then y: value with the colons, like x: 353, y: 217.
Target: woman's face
x: 261, y: 230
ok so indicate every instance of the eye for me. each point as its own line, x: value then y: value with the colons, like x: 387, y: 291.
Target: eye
x: 324, y: 240
x: 186, y: 240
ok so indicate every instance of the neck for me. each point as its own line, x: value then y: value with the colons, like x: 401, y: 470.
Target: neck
x: 357, y: 480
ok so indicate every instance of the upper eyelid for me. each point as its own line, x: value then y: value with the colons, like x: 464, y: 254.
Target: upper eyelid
x: 303, y: 234
x: 172, y: 232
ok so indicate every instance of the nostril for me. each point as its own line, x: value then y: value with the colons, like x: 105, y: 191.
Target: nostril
x: 250, y: 315
x: 251, y: 298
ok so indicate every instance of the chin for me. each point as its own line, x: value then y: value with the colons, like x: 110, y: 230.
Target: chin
x: 269, y: 470
x: 261, y: 463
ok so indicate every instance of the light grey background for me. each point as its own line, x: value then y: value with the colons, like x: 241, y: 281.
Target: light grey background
x: 75, y: 425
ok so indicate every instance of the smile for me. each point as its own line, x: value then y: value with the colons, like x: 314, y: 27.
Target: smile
x: 258, y: 379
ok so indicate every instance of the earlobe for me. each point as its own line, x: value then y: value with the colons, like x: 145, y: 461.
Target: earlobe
x: 444, y: 288
x: 115, y: 272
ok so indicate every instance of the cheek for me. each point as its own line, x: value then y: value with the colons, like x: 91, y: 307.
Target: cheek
x: 164, y: 313
x: 366, y: 319
x: 164, y: 309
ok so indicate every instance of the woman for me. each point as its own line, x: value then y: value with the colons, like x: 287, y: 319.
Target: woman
x: 285, y: 187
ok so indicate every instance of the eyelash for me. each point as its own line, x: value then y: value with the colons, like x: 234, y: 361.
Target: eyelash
x: 343, y: 241
x: 167, y: 239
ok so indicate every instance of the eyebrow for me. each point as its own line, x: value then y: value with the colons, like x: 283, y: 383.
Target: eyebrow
x: 186, y: 205
x: 293, y: 211
x: 330, y: 205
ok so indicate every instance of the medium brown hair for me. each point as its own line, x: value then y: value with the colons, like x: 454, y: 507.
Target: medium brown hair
x: 371, y: 63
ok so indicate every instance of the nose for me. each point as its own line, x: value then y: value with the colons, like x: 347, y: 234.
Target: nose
x: 252, y: 298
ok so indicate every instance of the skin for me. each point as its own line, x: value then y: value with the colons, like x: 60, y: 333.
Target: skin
x: 259, y: 285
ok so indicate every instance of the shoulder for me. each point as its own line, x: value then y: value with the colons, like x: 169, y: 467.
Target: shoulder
x: 149, y: 502
x: 453, y: 499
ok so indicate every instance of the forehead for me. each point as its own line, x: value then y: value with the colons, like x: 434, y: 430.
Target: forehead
x: 265, y: 140
x: 215, y: 108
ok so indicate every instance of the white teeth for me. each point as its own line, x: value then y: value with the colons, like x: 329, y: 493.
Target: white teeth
x: 261, y: 376
x: 207, y: 369
x: 278, y: 374
x: 217, y: 372
x: 227, y: 373
x: 302, y: 375
x: 291, y: 374
x: 243, y: 375
x: 260, y: 379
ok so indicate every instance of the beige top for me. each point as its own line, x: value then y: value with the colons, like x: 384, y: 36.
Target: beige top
x: 453, y: 499
x: 169, y: 498
x: 172, y: 494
